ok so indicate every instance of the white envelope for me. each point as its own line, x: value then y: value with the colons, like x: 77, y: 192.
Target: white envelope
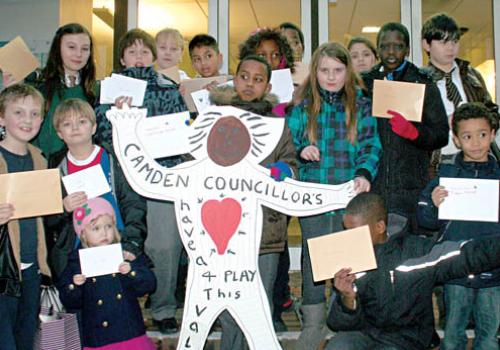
x: 119, y: 85
x: 170, y: 130
x: 92, y: 181
x: 201, y: 99
x: 99, y: 261
x: 469, y: 200
x: 282, y: 84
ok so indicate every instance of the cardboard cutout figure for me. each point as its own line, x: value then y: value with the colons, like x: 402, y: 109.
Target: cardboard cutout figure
x: 218, y: 200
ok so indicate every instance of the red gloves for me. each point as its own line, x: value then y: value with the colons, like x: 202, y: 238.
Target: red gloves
x: 402, y: 127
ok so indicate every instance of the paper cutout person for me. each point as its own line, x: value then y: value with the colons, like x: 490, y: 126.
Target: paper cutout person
x: 218, y: 200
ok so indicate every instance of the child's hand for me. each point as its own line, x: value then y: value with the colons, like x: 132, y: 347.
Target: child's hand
x: 8, y: 79
x: 310, y: 153
x: 182, y: 89
x: 361, y: 184
x: 438, y: 195
x: 79, y: 279
x: 343, y: 282
x: 124, y: 268
x: 122, y: 100
x: 128, y: 256
x: 74, y: 200
x: 6, y: 212
x: 211, y: 85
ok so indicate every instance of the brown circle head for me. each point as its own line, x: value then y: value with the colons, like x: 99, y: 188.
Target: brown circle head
x: 228, y: 141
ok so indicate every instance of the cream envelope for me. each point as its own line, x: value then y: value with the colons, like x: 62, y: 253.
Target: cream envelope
x: 197, y: 84
x: 33, y: 193
x: 404, y: 98
x: 17, y: 59
x: 172, y: 73
x: 347, y: 249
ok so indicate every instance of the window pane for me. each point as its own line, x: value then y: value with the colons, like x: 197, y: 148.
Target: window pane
x: 348, y: 18
x: 102, y: 34
x: 476, y: 44
x: 188, y: 17
x: 245, y: 16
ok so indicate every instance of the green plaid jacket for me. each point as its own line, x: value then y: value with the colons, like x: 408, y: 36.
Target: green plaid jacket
x: 340, y: 161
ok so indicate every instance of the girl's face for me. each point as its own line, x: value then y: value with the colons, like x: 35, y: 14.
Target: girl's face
x: 269, y: 50
x: 169, y: 53
x: 22, y: 119
x: 137, y: 55
x: 362, y: 57
x: 331, y: 74
x: 100, y: 231
x: 75, y: 52
x: 293, y: 38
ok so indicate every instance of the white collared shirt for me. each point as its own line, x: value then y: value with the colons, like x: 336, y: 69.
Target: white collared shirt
x: 449, y: 106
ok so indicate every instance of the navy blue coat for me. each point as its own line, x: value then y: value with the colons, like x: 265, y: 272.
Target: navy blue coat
x: 110, y: 310
x: 457, y: 230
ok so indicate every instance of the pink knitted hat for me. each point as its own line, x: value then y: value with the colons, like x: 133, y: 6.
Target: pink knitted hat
x: 91, y: 210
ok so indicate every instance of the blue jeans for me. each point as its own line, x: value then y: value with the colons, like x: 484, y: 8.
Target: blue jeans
x: 356, y: 340
x: 315, y: 226
x: 484, y: 304
x: 19, y: 316
x: 232, y: 337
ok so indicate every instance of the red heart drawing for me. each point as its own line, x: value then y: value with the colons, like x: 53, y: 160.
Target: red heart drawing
x: 221, y: 220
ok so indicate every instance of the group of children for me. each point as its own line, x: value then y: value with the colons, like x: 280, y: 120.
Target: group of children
x: 331, y: 137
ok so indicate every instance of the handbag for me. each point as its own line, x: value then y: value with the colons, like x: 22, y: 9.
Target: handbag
x: 58, y: 329
x: 9, y: 271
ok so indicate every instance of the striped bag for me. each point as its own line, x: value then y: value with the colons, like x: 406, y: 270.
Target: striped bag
x: 57, y: 330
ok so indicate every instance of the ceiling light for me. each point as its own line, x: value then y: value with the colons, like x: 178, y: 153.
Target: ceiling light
x: 370, y: 29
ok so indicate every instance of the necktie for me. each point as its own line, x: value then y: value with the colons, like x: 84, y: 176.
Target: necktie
x: 71, y: 80
x: 451, y: 89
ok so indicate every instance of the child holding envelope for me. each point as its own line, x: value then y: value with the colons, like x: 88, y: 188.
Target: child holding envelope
x: 337, y: 141
x: 403, y: 169
x: 21, y: 114
x: 111, y: 314
x: 474, y: 129
x: 75, y: 124
x: 163, y: 242
x: 391, y: 307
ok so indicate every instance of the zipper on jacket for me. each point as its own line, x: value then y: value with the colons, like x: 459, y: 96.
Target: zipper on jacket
x: 391, y: 273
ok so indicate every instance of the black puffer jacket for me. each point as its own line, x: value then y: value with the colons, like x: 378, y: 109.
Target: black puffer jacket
x: 394, y: 302
x: 275, y: 224
x: 403, y: 167
x: 132, y: 207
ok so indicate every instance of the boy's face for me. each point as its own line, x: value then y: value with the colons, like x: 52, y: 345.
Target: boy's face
x: 442, y: 53
x: 377, y: 230
x: 168, y: 51
x: 76, y: 130
x: 206, y: 61
x: 100, y: 231
x: 22, y: 119
x: 331, y: 74
x: 474, y: 139
x: 75, y: 52
x: 392, y: 50
x: 137, y: 55
x: 251, y: 82
x: 270, y: 51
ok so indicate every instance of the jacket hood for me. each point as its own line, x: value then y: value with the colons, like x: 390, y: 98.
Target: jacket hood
x: 226, y: 96
x: 397, y: 225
